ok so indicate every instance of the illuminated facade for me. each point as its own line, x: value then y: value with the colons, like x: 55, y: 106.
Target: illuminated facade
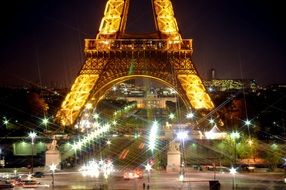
x: 231, y: 85
x: 112, y: 58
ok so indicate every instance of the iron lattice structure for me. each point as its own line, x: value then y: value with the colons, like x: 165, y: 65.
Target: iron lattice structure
x: 115, y: 56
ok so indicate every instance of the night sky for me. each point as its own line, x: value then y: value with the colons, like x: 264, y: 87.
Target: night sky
x: 42, y: 41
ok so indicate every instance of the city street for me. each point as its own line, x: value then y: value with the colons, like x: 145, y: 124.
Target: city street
x: 164, y: 180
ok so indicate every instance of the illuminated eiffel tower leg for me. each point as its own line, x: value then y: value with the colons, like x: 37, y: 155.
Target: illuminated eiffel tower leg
x: 109, y: 57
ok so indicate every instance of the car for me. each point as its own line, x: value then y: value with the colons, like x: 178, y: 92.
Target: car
x: 38, y: 174
x: 133, y: 174
x: 6, y: 184
x: 30, y: 183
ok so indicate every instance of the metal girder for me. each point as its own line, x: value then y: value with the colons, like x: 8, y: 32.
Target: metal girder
x: 112, y: 19
x: 115, y: 18
x: 167, y: 23
x: 195, y: 91
x: 76, y: 98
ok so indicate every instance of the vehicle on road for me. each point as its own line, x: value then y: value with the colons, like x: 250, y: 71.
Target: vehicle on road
x: 30, y: 183
x: 38, y: 174
x: 5, y: 184
x: 133, y: 174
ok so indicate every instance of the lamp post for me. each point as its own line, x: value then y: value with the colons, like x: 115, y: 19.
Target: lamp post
x: 235, y: 135
x: 45, y: 122
x: 148, y: 168
x: 233, y: 171
x: 32, y: 135
x: 53, y: 168
x: 182, y: 135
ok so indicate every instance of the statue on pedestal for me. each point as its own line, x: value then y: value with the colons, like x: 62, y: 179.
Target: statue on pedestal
x: 173, y: 146
x: 53, y: 155
x: 53, y: 145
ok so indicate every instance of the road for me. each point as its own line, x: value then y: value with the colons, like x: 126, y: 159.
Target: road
x: 166, y: 181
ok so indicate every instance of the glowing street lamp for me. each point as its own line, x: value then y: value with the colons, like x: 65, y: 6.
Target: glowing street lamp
x: 148, y: 168
x: 32, y: 135
x: 233, y: 171
x: 250, y: 142
x: 95, y: 116
x: 211, y: 121
x: 114, y: 122
x: 172, y: 116
x: 235, y: 135
x: 247, y: 123
x: 182, y: 136
x: 108, y: 142
x: 53, y: 168
x: 190, y: 115
x: 5, y: 121
x: 45, y: 122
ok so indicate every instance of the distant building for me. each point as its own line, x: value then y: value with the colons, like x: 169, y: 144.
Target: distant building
x: 222, y: 85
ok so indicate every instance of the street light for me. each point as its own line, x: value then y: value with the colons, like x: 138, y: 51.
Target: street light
x: 32, y: 135
x: 182, y: 135
x: 233, y: 171
x: 171, y: 116
x: 190, y: 115
x: 45, y: 122
x: 235, y: 135
x: 212, y: 121
x: 148, y: 168
x: 53, y: 167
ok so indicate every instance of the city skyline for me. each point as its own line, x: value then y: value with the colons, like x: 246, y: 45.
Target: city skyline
x: 43, y: 41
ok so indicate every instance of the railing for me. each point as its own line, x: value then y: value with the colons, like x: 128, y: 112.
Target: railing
x: 137, y: 44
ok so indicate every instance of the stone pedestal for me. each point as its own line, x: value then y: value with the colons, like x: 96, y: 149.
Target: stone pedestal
x: 53, y: 157
x: 173, y: 157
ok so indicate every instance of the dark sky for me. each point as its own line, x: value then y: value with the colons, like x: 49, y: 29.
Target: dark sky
x: 42, y: 41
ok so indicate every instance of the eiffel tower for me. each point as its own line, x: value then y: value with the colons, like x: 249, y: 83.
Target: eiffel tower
x: 115, y: 56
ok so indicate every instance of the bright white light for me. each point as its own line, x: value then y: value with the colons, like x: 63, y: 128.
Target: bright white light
x: 250, y: 142
x: 95, y: 116
x: 153, y: 135
x: 45, y: 121
x: 211, y: 121
x: 32, y: 135
x: 190, y: 115
x: 114, y: 122
x: 181, y: 177
x: 210, y: 135
x: 172, y: 116
x: 235, y: 135
x: 95, y: 168
x: 148, y: 167
x: 247, y: 122
x: 53, y: 167
x: 88, y: 106
x: 108, y: 142
x: 114, y: 88
x: 182, y: 135
x: 95, y: 133
x: 211, y: 89
x: 232, y: 171
x: 6, y: 121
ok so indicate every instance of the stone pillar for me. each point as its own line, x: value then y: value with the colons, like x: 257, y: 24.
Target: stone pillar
x: 173, y: 157
x: 53, y: 155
